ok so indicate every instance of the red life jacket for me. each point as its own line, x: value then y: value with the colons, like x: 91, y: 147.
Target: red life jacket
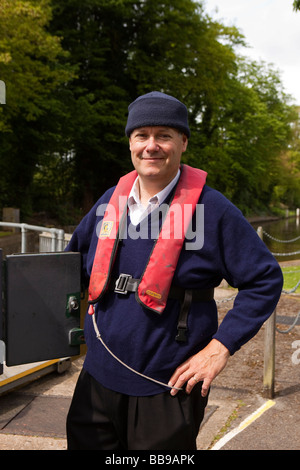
x: 155, y: 283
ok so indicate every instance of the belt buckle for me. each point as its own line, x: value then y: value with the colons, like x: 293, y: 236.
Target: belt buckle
x: 121, y: 283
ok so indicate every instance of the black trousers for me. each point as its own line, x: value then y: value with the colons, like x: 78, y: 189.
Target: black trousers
x: 101, y: 419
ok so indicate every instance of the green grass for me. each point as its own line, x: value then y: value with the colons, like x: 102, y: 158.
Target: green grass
x: 230, y: 419
x: 291, y: 276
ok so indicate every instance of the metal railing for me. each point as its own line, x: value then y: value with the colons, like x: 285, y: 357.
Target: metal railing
x: 57, y: 235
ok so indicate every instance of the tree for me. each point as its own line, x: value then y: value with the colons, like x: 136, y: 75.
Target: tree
x: 30, y: 120
x: 123, y: 48
x: 70, y: 117
x: 95, y: 34
x: 296, y: 5
x: 287, y: 190
x: 250, y: 129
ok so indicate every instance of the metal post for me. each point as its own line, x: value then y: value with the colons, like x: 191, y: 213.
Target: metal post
x: 23, y: 239
x: 269, y: 349
x: 60, y: 240
x: 260, y: 233
x: 53, y: 241
x: 269, y: 359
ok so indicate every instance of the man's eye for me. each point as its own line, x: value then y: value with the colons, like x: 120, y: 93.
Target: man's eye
x: 164, y: 136
x: 141, y: 136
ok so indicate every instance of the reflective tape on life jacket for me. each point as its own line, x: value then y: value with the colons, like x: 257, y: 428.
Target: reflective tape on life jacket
x: 155, y: 283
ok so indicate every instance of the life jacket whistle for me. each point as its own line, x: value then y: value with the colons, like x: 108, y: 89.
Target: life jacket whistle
x: 156, y: 280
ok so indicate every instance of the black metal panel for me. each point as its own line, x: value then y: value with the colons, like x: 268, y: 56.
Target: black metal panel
x: 40, y: 306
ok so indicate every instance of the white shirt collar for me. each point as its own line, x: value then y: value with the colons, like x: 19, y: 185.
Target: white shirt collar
x: 159, y: 197
x: 137, y: 211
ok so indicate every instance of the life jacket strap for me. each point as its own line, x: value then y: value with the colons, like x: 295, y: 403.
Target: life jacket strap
x: 126, y: 283
x: 182, y: 327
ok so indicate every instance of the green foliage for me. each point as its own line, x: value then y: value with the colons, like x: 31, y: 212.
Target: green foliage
x: 287, y: 190
x: 125, y: 48
x: 71, y: 69
x: 30, y: 68
x: 253, y: 130
x: 296, y: 5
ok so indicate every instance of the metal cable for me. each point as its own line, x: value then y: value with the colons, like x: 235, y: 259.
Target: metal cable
x: 291, y: 327
x: 98, y: 335
x: 281, y: 241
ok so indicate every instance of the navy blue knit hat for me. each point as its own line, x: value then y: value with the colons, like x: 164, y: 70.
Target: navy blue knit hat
x: 157, y: 109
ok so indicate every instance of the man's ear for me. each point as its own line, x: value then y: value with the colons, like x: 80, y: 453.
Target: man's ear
x: 185, y: 142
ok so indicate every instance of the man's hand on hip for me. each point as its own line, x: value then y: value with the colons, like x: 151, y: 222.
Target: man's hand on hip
x: 203, y: 366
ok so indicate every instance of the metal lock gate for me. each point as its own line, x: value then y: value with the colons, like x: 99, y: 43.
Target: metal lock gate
x: 40, y: 307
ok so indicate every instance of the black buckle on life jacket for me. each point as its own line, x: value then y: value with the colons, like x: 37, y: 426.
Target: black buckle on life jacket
x: 121, y: 284
x: 181, y: 336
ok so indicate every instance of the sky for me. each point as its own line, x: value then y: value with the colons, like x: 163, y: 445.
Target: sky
x: 271, y: 29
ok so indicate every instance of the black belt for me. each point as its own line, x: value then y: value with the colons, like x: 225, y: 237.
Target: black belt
x: 126, y: 283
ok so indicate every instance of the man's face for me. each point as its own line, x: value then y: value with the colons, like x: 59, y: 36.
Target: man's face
x: 156, y: 152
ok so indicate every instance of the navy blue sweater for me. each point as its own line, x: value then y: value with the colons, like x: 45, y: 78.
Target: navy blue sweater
x: 145, y: 340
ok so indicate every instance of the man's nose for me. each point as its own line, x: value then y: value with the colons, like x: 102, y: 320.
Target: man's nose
x: 152, y: 145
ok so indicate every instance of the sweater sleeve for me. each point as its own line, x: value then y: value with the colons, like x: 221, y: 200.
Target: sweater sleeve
x: 249, y: 266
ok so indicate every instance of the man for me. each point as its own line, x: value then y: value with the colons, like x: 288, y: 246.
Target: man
x: 154, y: 345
